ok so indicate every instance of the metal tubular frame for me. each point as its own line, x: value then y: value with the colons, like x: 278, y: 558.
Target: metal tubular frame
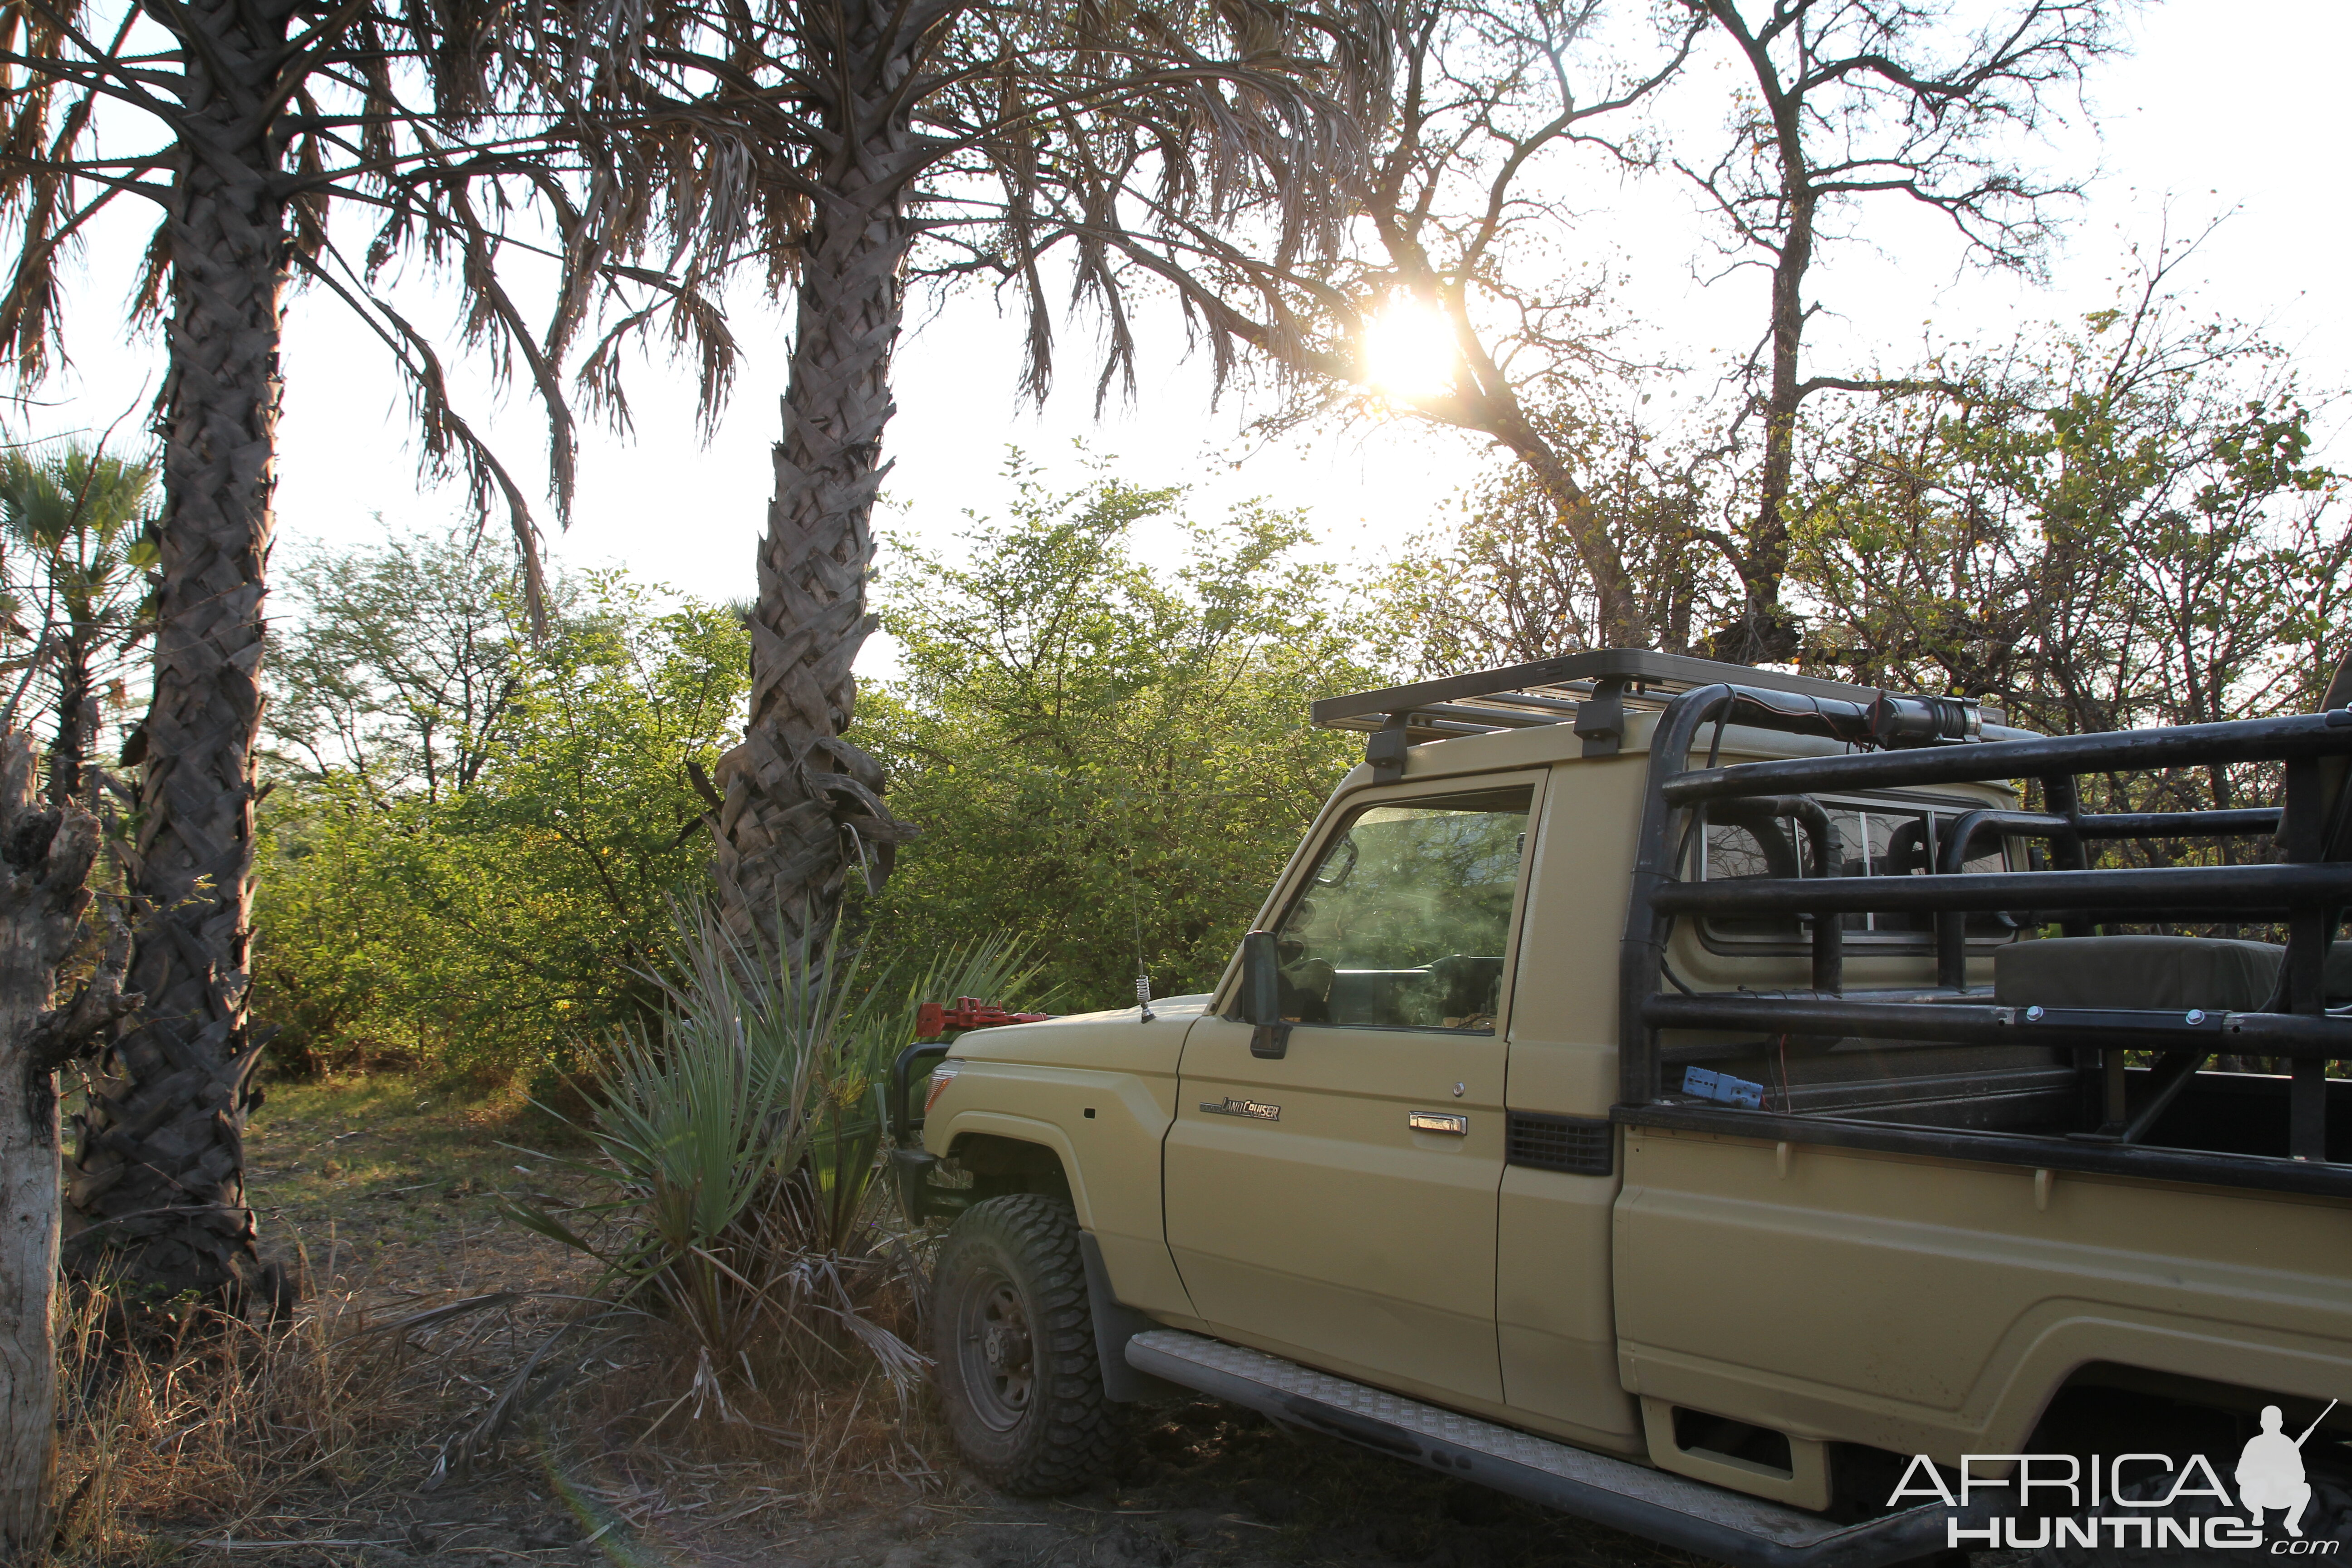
x: 2222, y: 890
x: 2307, y: 891
x: 1828, y: 850
x: 1952, y: 925
x: 1952, y: 929
x: 2116, y: 751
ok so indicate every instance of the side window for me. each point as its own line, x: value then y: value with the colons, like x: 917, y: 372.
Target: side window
x: 1407, y: 917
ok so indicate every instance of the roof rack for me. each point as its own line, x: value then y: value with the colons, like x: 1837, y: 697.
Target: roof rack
x: 1593, y: 692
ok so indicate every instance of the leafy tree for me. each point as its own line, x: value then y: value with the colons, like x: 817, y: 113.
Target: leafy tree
x: 82, y: 523
x: 1105, y: 755
x: 2118, y: 526
x: 403, y: 666
x: 1855, y: 101
x: 1467, y: 236
x: 494, y: 920
x: 1502, y: 108
x: 1507, y: 583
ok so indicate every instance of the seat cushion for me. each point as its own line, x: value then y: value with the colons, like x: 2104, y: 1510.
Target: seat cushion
x: 2163, y: 971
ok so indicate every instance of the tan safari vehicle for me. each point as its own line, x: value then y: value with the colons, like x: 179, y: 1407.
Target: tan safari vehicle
x: 1652, y: 1089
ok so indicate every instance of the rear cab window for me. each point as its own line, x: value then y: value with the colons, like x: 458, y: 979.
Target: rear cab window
x: 1877, y: 836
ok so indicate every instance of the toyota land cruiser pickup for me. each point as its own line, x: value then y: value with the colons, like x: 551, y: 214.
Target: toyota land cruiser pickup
x: 1734, y: 1107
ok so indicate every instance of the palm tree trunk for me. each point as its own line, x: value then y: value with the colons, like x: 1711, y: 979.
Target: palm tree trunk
x: 76, y: 719
x: 160, y: 1177
x: 45, y: 859
x: 796, y: 792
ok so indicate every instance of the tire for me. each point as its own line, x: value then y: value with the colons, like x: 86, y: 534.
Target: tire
x: 1013, y: 1345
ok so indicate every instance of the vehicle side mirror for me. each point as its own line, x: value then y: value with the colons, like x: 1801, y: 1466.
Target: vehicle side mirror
x: 1260, y: 998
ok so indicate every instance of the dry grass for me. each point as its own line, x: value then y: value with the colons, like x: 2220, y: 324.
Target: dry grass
x: 335, y: 1427
x: 801, y: 1452
x: 342, y: 1425
x: 214, y: 1410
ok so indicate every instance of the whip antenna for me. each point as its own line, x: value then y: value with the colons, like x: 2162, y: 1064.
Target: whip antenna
x: 1142, y: 974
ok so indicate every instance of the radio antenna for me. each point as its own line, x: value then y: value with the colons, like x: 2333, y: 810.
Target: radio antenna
x: 1142, y: 975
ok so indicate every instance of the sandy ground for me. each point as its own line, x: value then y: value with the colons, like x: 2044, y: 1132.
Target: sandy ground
x: 389, y: 1190
x: 1209, y: 1487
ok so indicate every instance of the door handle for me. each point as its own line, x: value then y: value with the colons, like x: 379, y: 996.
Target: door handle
x: 1438, y: 1121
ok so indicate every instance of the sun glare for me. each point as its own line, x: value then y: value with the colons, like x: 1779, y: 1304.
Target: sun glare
x: 1409, y: 350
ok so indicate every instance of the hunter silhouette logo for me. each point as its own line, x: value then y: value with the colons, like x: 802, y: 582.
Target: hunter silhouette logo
x: 2270, y: 1472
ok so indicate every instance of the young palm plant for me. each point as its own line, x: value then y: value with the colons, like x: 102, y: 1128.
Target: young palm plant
x: 745, y: 1144
x: 83, y: 526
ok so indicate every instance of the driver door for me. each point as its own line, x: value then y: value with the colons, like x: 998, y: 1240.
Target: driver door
x: 1338, y: 1205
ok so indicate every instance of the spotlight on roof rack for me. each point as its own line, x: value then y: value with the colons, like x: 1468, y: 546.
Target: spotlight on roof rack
x: 1897, y: 721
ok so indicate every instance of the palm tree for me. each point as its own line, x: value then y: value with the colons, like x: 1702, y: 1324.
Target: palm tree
x: 883, y: 140
x: 83, y: 522
x: 250, y: 125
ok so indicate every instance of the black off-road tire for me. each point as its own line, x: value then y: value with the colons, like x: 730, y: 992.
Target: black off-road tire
x: 1013, y: 1345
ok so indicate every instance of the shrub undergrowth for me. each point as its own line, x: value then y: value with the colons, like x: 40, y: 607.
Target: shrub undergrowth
x: 741, y: 1147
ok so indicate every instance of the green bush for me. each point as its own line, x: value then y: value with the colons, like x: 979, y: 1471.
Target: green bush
x: 486, y: 916
x: 743, y: 1145
x: 1102, y: 754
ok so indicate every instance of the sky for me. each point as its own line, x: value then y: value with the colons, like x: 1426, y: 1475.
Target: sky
x: 2220, y: 110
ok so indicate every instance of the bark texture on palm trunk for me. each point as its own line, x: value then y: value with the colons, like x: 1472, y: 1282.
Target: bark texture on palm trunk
x: 77, y: 722
x: 801, y: 806
x: 45, y: 860
x: 159, y: 1183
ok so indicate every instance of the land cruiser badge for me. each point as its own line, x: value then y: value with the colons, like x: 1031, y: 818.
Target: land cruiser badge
x: 1256, y: 1109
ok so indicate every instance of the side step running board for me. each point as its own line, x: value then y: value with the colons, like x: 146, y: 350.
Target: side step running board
x: 1663, y: 1507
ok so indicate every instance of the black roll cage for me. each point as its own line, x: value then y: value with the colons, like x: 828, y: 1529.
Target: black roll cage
x: 2305, y: 891
x: 1921, y: 740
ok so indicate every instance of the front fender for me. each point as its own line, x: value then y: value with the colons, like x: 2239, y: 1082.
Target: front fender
x: 1026, y: 1129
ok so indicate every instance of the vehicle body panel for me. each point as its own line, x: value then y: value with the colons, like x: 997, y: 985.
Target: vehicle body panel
x: 1337, y: 1236
x: 1931, y: 1306
x: 1555, y: 1313
x: 1325, y: 1226
x: 1037, y: 1082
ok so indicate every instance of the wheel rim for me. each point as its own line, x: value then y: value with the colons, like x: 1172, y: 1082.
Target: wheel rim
x: 995, y: 1351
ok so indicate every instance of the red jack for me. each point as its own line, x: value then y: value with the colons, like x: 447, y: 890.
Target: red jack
x: 932, y: 1020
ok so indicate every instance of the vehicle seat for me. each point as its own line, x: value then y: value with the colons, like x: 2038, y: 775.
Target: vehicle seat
x: 2167, y: 973
x: 2170, y: 973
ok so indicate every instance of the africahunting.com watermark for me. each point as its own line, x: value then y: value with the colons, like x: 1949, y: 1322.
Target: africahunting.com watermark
x: 2131, y: 1499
